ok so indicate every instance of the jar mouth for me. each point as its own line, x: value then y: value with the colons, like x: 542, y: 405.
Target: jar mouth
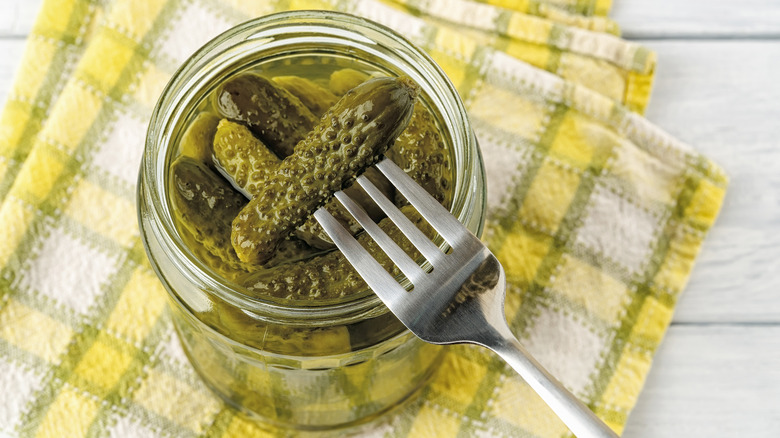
x: 250, y: 42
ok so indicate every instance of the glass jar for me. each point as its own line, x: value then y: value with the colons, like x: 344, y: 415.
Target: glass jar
x: 310, y: 365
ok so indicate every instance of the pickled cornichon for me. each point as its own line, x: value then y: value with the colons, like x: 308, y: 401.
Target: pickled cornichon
x: 248, y: 164
x: 419, y: 150
x: 349, y: 138
x: 206, y: 206
x: 243, y: 158
x: 274, y: 114
x: 303, y: 266
x: 330, y: 276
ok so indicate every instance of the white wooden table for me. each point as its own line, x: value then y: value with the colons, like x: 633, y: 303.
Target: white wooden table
x: 717, y: 373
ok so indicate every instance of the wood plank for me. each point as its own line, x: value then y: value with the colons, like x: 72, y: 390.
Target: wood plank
x: 12, y: 50
x: 722, y: 98
x: 697, y: 18
x: 719, y: 381
x: 17, y: 17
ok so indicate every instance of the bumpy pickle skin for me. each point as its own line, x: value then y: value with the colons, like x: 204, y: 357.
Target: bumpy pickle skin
x: 330, y: 276
x: 248, y: 164
x: 245, y: 161
x: 419, y: 150
x: 312, y: 232
x: 421, y: 153
x: 349, y: 138
x: 316, y: 98
x: 197, y: 140
x: 205, y: 206
x: 276, y: 116
x: 242, y: 157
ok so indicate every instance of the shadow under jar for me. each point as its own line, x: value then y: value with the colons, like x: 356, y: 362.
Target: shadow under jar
x: 300, y: 363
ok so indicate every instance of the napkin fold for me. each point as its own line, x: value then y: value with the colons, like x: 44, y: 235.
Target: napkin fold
x: 587, y: 8
x: 498, y: 16
x: 460, y: 29
x: 596, y: 215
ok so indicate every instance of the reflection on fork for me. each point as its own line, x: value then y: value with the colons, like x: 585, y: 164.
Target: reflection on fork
x: 460, y: 299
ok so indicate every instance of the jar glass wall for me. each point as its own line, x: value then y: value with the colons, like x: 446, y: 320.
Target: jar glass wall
x: 314, y: 364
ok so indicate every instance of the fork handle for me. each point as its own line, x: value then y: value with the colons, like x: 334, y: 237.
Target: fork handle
x: 582, y: 422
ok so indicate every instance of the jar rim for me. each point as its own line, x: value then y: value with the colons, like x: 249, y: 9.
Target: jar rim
x: 261, y: 29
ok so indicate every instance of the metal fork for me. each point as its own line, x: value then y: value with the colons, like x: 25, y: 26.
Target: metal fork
x: 459, y: 300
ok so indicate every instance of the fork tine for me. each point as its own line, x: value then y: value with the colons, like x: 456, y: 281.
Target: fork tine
x: 460, y: 300
x: 437, y: 216
x: 396, y: 254
x: 382, y: 283
x: 430, y: 251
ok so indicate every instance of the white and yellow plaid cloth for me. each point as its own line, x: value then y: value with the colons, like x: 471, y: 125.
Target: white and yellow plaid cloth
x: 596, y: 215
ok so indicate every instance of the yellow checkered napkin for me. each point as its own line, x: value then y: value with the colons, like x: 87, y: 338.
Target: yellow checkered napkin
x: 596, y: 215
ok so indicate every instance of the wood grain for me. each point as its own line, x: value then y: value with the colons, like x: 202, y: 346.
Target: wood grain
x: 698, y: 19
x: 712, y: 381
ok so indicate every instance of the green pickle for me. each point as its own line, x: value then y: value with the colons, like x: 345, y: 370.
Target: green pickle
x: 330, y: 276
x: 247, y: 330
x: 349, y: 138
x: 205, y: 206
x: 256, y: 160
x: 242, y: 157
x: 275, y: 115
x: 248, y: 164
x: 301, y: 264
